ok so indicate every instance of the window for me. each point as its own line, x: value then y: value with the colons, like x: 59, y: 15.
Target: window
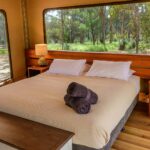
x: 5, y: 67
x: 115, y: 28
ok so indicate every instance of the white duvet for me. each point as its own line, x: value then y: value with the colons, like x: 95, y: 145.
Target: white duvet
x: 41, y: 99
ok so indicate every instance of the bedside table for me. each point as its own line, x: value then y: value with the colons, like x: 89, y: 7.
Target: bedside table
x: 144, y: 96
x: 35, y: 70
x: 149, y: 96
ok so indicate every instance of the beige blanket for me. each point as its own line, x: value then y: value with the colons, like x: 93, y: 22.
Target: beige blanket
x: 41, y: 99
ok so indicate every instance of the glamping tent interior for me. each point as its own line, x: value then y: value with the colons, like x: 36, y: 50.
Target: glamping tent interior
x: 74, y: 75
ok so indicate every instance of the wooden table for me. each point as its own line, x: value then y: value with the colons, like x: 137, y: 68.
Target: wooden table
x: 20, y: 133
x: 36, y: 69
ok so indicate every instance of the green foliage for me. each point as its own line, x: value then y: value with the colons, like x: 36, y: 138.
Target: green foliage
x: 3, y: 37
x: 66, y: 46
x: 101, y: 28
x: 88, y: 46
x: 3, y: 51
x: 144, y: 47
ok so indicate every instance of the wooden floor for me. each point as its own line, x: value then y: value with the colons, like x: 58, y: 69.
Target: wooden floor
x: 136, y: 135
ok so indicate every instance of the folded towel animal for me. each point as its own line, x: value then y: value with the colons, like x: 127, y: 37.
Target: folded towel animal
x: 80, y: 98
x: 78, y: 104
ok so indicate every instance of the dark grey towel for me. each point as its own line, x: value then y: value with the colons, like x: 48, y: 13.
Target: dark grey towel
x: 77, y: 90
x: 78, y: 104
x: 91, y: 97
x: 80, y: 98
x: 81, y: 107
x: 68, y: 100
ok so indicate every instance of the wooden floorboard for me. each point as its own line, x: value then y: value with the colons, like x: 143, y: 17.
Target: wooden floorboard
x: 136, y: 135
x: 137, y: 132
x: 121, y: 145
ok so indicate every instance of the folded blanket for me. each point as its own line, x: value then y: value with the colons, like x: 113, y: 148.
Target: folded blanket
x: 77, y: 90
x: 78, y: 104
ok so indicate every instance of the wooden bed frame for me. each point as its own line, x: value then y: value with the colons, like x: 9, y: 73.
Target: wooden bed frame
x: 140, y: 63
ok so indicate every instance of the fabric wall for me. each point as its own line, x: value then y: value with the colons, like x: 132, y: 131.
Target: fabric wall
x: 15, y: 28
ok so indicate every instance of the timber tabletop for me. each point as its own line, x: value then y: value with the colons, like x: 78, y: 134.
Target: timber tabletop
x: 24, y: 134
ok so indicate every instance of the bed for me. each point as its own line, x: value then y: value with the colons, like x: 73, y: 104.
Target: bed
x: 41, y: 99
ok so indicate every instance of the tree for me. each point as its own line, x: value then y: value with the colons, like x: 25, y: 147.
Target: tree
x: 102, y: 14
x: 3, y: 36
x: 111, y: 18
x: 136, y: 20
x: 92, y: 23
x: 62, y: 28
x: 145, y: 23
x: 53, y: 28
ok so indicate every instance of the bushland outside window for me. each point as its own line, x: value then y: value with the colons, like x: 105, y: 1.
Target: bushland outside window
x: 5, y: 66
x: 121, y: 28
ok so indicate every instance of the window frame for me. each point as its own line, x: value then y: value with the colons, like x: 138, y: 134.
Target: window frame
x: 9, y: 49
x: 88, y: 5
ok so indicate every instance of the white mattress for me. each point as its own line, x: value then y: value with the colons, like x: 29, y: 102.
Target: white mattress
x: 41, y: 99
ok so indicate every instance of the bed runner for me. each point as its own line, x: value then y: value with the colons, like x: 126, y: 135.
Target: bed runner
x: 24, y: 134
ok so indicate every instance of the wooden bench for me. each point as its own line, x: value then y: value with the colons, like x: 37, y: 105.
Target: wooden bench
x: 19, y: 133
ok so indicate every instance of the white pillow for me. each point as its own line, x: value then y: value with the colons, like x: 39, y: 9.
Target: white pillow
x: 110, y: 69
x: 67, y: 66
x: 131, y: 72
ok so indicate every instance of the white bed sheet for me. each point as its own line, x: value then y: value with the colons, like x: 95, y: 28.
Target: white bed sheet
x: 41, y: 99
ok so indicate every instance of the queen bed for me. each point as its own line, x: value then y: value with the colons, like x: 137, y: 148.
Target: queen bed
x: 41, y: 99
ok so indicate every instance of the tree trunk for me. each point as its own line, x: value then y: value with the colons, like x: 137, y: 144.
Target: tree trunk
x: 122, y: 31
x: 136, y: 22
x: 111, y: 30
x: 129, y: 35
x: 103, y: 24
x: 81, y: 38
x: 137, y: 26
x: 93, y: 37
x: 92, y: 28
x: 62, y: 29
x: 72, y: 37
x: 4, y: 33
x: 122, y: 25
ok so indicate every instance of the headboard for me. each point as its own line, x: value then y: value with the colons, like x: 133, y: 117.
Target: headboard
x: 140, y: 63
